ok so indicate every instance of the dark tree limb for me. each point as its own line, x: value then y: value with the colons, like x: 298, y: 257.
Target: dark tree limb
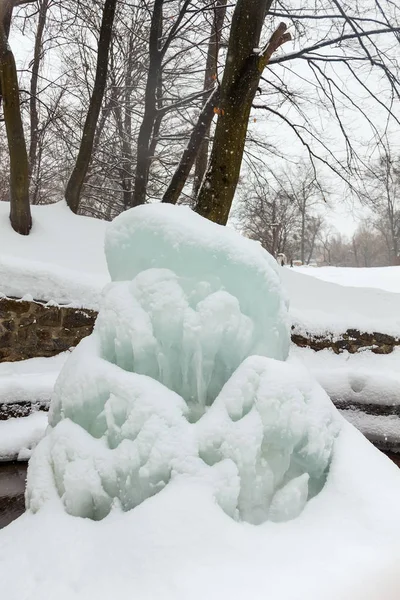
x: 243, y: 70
x: 150, y: 107
x: 20, y: 213
x: 77, y: 178
x: 210, y: 75
x: 189, y: 156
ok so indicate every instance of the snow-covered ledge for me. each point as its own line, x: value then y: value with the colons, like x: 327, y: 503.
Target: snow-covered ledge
x: 31, y: 328
x: 351, y: 340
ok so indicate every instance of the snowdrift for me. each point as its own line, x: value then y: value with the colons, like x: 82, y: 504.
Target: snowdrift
x: 383, y: 278
x: 319, y: 307
x: 204, y: 471
x: 60, y: 261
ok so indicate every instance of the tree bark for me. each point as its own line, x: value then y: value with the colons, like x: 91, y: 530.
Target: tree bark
x: 34, y: 117
x: 303, y: 234
x: 189, y: 156
x: 77, y: 178
x: 150, y: 107
x: 20, y: 214
x: 210, y: 76
x: 241, y: 78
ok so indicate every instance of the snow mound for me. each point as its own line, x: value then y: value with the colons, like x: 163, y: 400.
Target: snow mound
x: 167, y: 385
x: 179, y: 544
x: 61, y: 260
x: 278, y: 426
x: 384, y: 278
x: 18, y: 436
x: 321, y: 307
x: 212, y: 263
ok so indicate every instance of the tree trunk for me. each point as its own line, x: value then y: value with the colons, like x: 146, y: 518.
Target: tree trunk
x: 34, y: 117
x: 303, y: 235
x: 20, y: 214
x: 241, y: 78
x: 150, y: 107
x: 312, y: 245
x: 77, y: 178
x: 210, y: 76
x: 189, y: 156
x: 275, y: 230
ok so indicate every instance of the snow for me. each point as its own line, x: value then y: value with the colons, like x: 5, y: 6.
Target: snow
x: 61, y: 260
x: 236, y: 478
x: 360, y: 384
x: 215, y: 266
x: 321, y: 307
x: 18, y: 437
x: 179, y: 544
x: 221, y: 292
x: 363, y: 377
x: 384, y: 278
x: 382, y: 430
x: 30, y: 380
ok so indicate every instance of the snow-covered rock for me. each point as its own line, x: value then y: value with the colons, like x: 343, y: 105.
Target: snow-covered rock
x: 190, y: 303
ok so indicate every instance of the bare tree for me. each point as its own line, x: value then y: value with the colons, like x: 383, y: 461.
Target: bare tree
x: 33, y: 99
x: 77, y: 178
x: 20, y: 215
x: 210, y: 76
x: 330, y: 34
x: 243, y: 70
x: 382, y: 195
x: 278, y: 211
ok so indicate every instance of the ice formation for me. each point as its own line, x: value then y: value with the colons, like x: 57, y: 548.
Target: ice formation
x: 184, y: 376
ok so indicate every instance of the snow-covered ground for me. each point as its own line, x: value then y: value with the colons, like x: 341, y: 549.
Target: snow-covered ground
x: 26, y: 381
x: 362, y: 378
x: 204, y: 471
x: 30, y: 380
x: 364, y: 385
x: 257, y: 490
x: 384, y: 278
x: 18, y: 437
x: 180, y: 545
x: 319, y: 306
x: 61, y: 260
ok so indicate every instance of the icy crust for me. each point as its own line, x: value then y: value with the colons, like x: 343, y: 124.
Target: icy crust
x: 179, y: 331
x: 191, y: 301
x: 168, y: 385
x: 208, y: 258
x: 278, y: 427
x: 264, y: 446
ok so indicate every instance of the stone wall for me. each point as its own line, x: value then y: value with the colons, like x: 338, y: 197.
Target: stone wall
x: 31, y: 329
x: 351, y: 340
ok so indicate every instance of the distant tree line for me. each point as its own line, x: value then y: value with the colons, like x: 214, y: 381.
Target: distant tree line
x: 286, y: 212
